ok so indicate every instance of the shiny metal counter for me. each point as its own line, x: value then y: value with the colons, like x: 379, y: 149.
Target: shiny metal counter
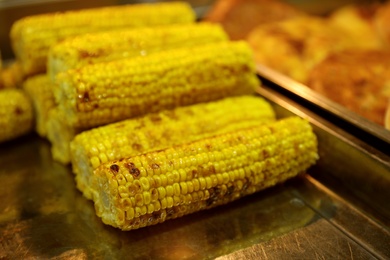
x: 338, y: 210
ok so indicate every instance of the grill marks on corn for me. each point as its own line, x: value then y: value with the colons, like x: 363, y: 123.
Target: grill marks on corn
x: 166, y: 128
x: 207, y: 173
x: 33, y: 36
x: 127, y: 88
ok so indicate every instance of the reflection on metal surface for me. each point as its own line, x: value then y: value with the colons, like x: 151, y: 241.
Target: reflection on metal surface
x: 318, y: 241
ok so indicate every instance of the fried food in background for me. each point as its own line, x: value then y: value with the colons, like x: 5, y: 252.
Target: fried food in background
x: 382, y: 23
x: 356, y: 79
x: 294, y: 46
x: 357, y: 21
x: 387, y: 116
x: 239, y: 17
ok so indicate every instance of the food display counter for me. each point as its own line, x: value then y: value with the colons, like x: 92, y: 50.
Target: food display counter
x: 338, y: 209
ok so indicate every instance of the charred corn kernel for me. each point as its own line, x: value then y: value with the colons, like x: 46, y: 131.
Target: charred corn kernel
x: 16, y: 114
x: 114, y: 45
x: 160, y: 130
x: 294, y: 147
x: 108, y: 92
x: 39, y: 89
x: 32, y: 36
x: 60, y: 134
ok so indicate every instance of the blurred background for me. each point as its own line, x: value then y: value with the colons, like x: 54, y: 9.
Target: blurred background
x: 11, y: 10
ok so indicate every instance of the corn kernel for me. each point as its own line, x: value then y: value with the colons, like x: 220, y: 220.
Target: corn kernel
x: 95, y: 162
x: 169, y: 190
x: 183, y: 187
x: 130, y: 214
x: 169, y: 202
x: 161, y: 192
x: 139, y: 200
x: 164, y: 203
x: 147, y: 197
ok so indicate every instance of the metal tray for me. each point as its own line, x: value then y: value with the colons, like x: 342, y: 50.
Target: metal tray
x: 339, y: 209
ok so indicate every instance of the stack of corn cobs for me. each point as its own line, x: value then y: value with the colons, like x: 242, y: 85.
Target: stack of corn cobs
x: 156, y: 113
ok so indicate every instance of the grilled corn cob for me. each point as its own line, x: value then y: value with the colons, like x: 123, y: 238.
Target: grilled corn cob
x: 16, y: 114
x: 32, y: 36
x: 151, y: 188
x: 113, y: 45
x: 155, y: 131
x: 11, y: 76
x: 107, y: 92
x: 39, y: 88
x: 60, y: 134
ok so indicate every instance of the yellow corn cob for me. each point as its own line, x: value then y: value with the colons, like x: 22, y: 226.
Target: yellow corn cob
x: 106, y: 46
x: 32, y: 36
x: 16, y: 114
x: 151, y: 188
x: 155, y: 131
x: 60, y: 134
x: 11, y: 76
x: 108, y: 92
x: 39, y: 88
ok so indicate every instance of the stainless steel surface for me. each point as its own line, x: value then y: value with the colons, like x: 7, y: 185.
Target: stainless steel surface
x: 42, y: 215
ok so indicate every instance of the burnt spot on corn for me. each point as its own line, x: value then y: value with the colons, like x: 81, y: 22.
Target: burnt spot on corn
x: 120, y: 125
x: 215, y: 194
x: 194, y: 173
x: 18, y: 111
x: 132, y: 169
x: 212, y: 169
x: 266, y: 153
x: 155, y: 118
x: 246, y: 185
x: 114, y: 168
x: 155, y: 166
x: 91, y: 54
x: 171, y: 212
x: 171, y: 114
x: 84, y: 97
x: 137, y: 146
x: 155, y: 217
x: 208, y: 146
x: 230, y: 190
